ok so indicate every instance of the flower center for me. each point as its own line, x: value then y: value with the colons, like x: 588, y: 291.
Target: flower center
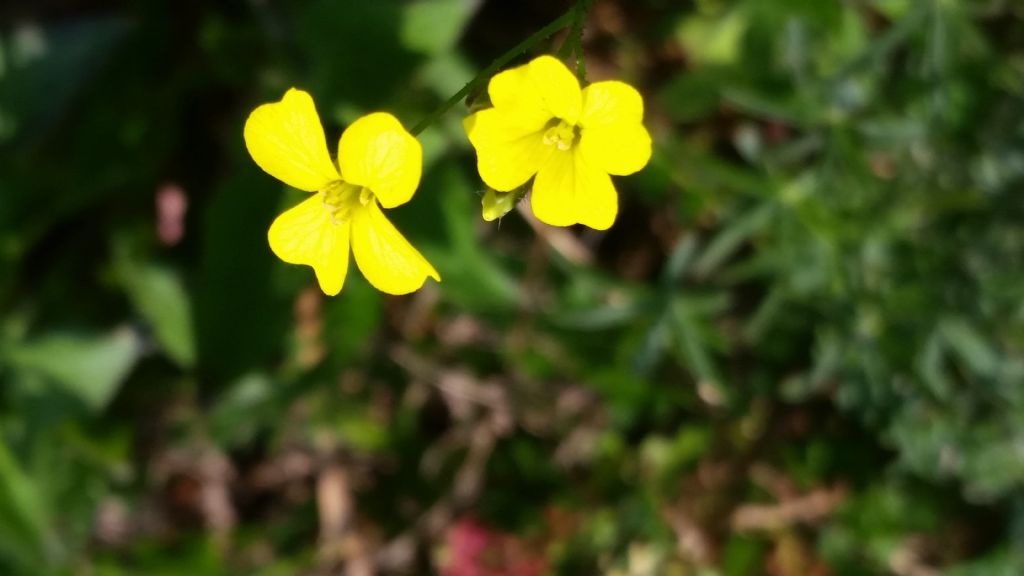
x: 560, y: 134
x: 340, y: 198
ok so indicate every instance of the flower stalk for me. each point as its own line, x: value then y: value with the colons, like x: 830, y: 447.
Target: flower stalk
x: 573, y: 17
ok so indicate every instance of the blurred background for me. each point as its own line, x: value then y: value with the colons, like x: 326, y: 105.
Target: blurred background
x: 799, y: 351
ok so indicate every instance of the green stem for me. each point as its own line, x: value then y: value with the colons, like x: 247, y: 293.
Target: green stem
x: 485, y: 75
x: 581, y: 61
x: 573, y: 44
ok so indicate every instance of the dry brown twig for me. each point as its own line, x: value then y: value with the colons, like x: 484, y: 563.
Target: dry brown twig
x: 340, y: 541
x: 809, y: 508
x: 561, y: 240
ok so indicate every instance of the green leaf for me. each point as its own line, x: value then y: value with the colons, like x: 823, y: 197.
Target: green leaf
x: 715, y: 39
x: 770, y: 107
x: 240, y: 319
x: 446, y: 74
x: 45, y: 67
x: 159, y: 296
x: 91, y: 368
x: 351, y: 321
x: 434, y: 26
x: 23, y: 516
x: 693, y: 96
x: 354, y: 51
x: 692, y: 345
x: 731, y: 239
x: 244, y: 407
x: 970, y: 346
x: 471, y: 274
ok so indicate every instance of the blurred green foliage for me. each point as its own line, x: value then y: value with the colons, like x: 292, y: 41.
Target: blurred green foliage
x: 799, y: 351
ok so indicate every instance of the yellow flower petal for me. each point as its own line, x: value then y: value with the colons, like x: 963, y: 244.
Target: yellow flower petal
x: 378, y: 153
x: 507, y: 154
x: 618, y: 149
x: 306, y: 235
x: 384, y: 256
x: 287, y: 141
x: 536, y: 92
x: 569, y: 190
x: 522, y: 107
x: 613, y: 137
x: 611, y: 102
x: 558, y: 87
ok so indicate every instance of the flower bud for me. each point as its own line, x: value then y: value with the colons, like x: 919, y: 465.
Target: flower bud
x: 497, y: 204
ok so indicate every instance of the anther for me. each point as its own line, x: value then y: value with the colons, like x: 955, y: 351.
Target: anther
x: 561, y: 135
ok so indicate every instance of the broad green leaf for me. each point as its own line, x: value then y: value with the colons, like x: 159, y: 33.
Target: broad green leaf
x: 714, y: 39
x: 45, y: 66
x: 241, y: 313
x: 90, y: 368
x: 160, y: 298
x: 434, y: 26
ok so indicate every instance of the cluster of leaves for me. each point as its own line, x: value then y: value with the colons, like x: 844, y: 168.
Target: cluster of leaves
x: 799, y: 351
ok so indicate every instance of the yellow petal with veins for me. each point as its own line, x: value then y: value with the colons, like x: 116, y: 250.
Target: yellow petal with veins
x: 287, y: 141
x: 507, y: 154
x: 534, y: 93
x: 613, y: 137
x: 570, y: 190
x: 522, y: 107
x: 307, y: 235
x: 558, y: 87
x: 384, y: 256
x: 378, y: 153
x: 611, y: 102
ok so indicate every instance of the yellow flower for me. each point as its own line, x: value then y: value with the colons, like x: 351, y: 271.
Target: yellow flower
x: 542, y: 124
x: 380, y: 165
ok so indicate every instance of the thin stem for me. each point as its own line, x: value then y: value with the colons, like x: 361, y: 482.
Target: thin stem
x: 581, y: 61
x: 570, y: 43
x: 485, y: 74
x: 573, y: 44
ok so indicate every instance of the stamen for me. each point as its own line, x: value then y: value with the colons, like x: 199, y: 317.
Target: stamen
x: 561, y: 135
x: 339, y: 198
x: 339, y: 193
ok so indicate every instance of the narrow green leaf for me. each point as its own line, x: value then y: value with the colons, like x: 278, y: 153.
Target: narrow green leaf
x: 731, y: 239
x: 970, y: 346
x: 23, y: 515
